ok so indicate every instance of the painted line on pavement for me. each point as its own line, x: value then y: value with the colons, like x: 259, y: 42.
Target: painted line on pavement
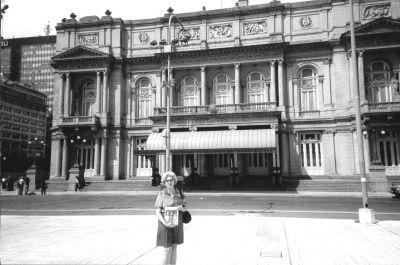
x: 244, y: 211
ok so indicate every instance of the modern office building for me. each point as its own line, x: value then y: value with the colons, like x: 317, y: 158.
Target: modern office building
x: 22, y: 125
x: 27, y: 60
x: 264, y: 89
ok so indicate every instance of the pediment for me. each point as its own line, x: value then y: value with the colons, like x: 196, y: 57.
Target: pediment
x: 377, y: 26
x: 81, y: 52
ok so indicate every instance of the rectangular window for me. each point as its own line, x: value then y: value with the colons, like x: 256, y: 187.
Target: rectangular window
x: 311, y: 155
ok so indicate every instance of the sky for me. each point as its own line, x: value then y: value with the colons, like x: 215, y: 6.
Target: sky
x: 26, y: 18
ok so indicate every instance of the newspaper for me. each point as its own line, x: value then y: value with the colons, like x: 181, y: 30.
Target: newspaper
x: 171, y: 215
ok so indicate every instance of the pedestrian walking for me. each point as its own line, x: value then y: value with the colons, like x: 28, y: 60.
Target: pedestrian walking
x: 3, y: 183
x: 20, y: 185
x: 43, y: 186
x: 169, y: 236
x: 27, y: 180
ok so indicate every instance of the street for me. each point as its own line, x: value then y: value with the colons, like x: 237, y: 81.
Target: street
x: 227, y: 228
x: 209, y: 203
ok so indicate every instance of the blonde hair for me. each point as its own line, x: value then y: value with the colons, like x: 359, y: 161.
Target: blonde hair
x: 169, y: 174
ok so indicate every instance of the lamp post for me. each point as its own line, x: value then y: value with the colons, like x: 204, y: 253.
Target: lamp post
x: 168, y: 48
x: 365, y: 215
x: 36, y: 148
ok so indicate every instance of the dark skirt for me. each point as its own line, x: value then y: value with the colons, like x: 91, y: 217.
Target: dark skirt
x: 168, y: 236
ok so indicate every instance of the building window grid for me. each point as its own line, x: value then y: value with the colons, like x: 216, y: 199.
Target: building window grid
x: 144, y: 98
x: 222, y: 90
x: 141, y: 161
x: 189, y: 91
x: 379, y: 82
x: 308, y: 81
x: 310, y: 148
x: 255, y: 88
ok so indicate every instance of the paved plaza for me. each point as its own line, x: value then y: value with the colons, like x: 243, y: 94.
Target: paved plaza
x: 235, y: 239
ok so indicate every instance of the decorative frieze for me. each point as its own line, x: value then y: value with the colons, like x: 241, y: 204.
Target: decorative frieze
x: 376, y: 11
x: 194, y: 33
x: 220, y: 31
x: 88, y: 39
x: 306, y: 22
x: 253, y: 28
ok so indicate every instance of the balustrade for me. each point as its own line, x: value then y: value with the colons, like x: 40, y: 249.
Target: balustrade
x: 383, y: 106
x: 227, y: 108
x: 79, y: 120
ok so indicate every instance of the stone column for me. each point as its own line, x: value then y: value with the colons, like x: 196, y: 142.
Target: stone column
x: 361, y: 80
x: 153, y: 99
x: 105, y: 92
x: 280, y: 84
x: 58, y: 158
x: 203, y: 86
x: 273, y: 82
x: 171, y: 90
x: 320, y: 94
x: 103, y: 164
x: 134, y: 104
x: 350, y: 75
x: 97, y: 157
x: 285, y: 153
x: 164, y: 89
x: 367, y: 152
x: 327, y: 82
x: 129, y: 98
x: 64, y: 172
x: 296, y: 103
x: 128, y: 169
x: 133, y: 157
x: 62, y: 93
x: 237, y: 84
x: 328, y: 147
x: 98, y: 93
x: 67, y: 95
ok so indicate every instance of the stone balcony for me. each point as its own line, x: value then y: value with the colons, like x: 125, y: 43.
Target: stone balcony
x: 379, y: 107
x: 78, y: 121
x: 217, y: 109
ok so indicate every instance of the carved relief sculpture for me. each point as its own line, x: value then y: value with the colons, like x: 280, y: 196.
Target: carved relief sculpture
x: 220, y: 31
x: 143, y: 38
x: 194, y: 32
x: 306, y: 22
x: 254, y: 28
x: 88, y: 39
x: 376, y: 11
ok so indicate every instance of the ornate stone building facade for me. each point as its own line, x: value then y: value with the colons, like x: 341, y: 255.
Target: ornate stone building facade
x: 264, y: 89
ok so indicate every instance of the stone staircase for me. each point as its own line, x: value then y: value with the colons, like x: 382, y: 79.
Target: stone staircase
x: 350, y: 184
x: 134, y: 184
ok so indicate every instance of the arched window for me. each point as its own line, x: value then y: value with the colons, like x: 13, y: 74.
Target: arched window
x: 222, y: 90
x: 189, y: 91
x: 88, y: 99
x: 379, y: 82
x: 255, y: 88
x: 144, y: 98
x: 308, y: 82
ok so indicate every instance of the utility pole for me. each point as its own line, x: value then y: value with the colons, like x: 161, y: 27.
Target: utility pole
x: 366, y: 215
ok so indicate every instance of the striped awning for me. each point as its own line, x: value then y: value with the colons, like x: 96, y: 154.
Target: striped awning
x: 213, y: 141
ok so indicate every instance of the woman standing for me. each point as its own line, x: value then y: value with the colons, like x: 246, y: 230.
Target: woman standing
x: 169, y: 236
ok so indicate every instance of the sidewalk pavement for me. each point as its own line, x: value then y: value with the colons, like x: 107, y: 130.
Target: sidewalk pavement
x: 222, y: 193
x: 236, y: 239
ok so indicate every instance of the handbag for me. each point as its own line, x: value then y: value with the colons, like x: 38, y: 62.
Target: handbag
x: 186, y: 216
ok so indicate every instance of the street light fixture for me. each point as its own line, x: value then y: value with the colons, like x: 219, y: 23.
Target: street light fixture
x: 168, y: 46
